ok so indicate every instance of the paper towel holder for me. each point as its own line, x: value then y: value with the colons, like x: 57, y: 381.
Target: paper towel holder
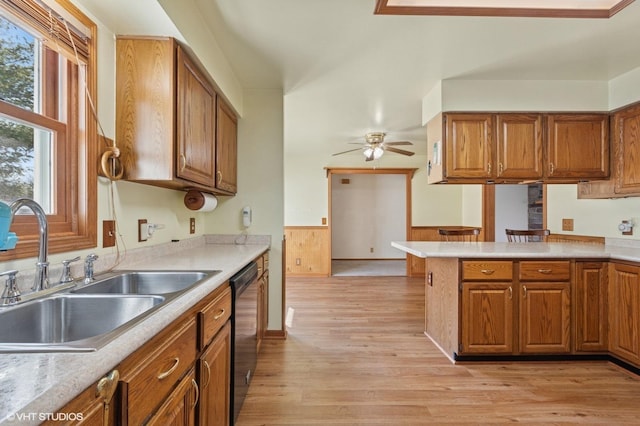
x: 196, y: 200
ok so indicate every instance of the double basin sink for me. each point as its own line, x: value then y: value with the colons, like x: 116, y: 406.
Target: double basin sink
x: 90, y: 316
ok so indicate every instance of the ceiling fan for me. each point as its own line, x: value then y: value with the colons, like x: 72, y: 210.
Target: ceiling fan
x: 374, y: 146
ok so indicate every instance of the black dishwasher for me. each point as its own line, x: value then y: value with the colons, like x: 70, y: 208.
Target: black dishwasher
x: 244, y: 356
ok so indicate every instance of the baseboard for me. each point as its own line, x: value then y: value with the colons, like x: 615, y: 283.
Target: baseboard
x: 275, y: 335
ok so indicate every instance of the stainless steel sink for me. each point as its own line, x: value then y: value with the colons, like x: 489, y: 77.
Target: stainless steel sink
x: 146, y: 282
x: 70, y: 322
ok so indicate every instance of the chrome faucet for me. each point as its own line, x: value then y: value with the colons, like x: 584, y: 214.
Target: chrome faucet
x: 41, y: 280
x: 88, y: 268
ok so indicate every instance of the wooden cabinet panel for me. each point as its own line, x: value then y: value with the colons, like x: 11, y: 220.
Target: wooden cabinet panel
x: 179, y: 408
x: 555, y: 270
x: 148, y: 376
x: 226, y: 148
x: 196, y: 112
x: 214, y: 377
x: 577, y: 146
x: 479, y: 270
x: 469, y: 144
x: 625, y: 312
x: 145, y: 73
x: 545, y: 318
x: 213, y: 316
x: 626, y: 143
x: 519, y: 146
x: 590, y: 307
x: 487, y: 318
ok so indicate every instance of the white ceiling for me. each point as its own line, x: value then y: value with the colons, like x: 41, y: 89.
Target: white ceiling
x: 345, y: 71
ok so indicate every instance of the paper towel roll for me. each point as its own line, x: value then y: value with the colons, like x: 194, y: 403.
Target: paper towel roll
x: 196, y: 200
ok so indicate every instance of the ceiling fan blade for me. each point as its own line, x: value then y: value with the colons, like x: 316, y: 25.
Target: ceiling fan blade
x: 399, y: 151
x: 398, y: 143
x: 344, y: 152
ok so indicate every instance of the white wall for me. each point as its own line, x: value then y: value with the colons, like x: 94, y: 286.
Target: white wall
x: 367, y: 213
x: 260, y: 186
x: 512, y: 209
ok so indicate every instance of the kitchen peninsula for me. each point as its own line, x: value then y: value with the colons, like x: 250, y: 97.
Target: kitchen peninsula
x: 531, y: 300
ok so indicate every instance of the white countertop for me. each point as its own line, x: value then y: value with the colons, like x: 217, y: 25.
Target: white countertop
x: 426, y: 249
x: 33, y: 384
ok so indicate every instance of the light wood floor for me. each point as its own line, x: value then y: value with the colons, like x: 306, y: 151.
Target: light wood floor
x: 356, y: 355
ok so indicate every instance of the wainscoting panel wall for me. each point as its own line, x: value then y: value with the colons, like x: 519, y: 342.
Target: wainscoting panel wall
x: 307, y: 251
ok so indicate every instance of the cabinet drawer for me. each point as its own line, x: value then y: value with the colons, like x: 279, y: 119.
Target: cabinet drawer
x: 213, y: 316
x: 477, y: 270
x: 150, y: 378
x: 545, y: 270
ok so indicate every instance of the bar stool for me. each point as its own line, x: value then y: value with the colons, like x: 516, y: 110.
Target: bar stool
x: 464, y: 234
x: 526, y: 235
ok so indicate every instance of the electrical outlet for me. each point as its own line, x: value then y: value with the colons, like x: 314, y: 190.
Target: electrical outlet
x: 567, y: 224
x: 192, y: 225
x: 108, y: 233
x: 298, y: 261
x: 371, y: 250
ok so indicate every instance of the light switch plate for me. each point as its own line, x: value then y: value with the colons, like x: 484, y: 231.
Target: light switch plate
x: 192, y: 225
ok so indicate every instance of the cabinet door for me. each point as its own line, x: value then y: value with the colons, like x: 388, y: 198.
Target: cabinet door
x: 487, y: 318
x: 263, y: 307
x: 626, y: 143
x: 226, y: 148
x: 578, y: 146
x: 519, y: 146
x: 545, y: 317
x: 468, y: 146
x: 179, y: 407
x: 214, y: 379
x: 591, y: 307
x: 196, y: 112
x: 625, y: 312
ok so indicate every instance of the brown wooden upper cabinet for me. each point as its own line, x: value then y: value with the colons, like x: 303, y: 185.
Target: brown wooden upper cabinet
x: 514, y: 147
x: 577, y: 146
x: 167, y: 119
x: 626, y: 145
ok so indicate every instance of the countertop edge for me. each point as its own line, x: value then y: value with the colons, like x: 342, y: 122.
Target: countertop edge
x: 89, y: 367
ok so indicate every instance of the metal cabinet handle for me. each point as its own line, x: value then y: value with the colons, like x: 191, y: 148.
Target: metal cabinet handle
x: 206, y: 364
x: 510, y: 292
x: 105, y: 389
x: 500, y: 168
x: 183, y: 161
x: 220, y: 315
x: 487, y: 271
x: 524, y: 291
x: 545, y: 271
x: 197, y: 389
x: 219, y: 176
x: 167, y: 373
x: 489, y: 167
x: 551, y: 168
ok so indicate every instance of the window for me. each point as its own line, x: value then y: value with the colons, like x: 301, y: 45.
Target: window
x: 48, y: 133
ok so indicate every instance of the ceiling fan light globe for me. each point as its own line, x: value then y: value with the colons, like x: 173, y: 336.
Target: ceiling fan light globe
x: 368, y: 152
x: 377, y: 152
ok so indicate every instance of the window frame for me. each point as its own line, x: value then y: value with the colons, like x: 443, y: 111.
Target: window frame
x: 74, y: 226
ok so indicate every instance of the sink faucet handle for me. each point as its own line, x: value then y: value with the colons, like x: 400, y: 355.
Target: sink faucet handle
x: 88, y: 267
x: 11, y: 294
x: 66, y: 270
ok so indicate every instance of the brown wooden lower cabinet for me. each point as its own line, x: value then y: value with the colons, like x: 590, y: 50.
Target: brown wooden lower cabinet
x: 214, y: 367
x: 487, y: 318
x: 624, y: 311
x: 545, y: 317
x: 590, y: 301
x: 179, y: 408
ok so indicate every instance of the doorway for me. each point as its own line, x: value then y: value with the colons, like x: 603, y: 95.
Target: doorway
x: 368, y: 208
x: 513, y: 207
